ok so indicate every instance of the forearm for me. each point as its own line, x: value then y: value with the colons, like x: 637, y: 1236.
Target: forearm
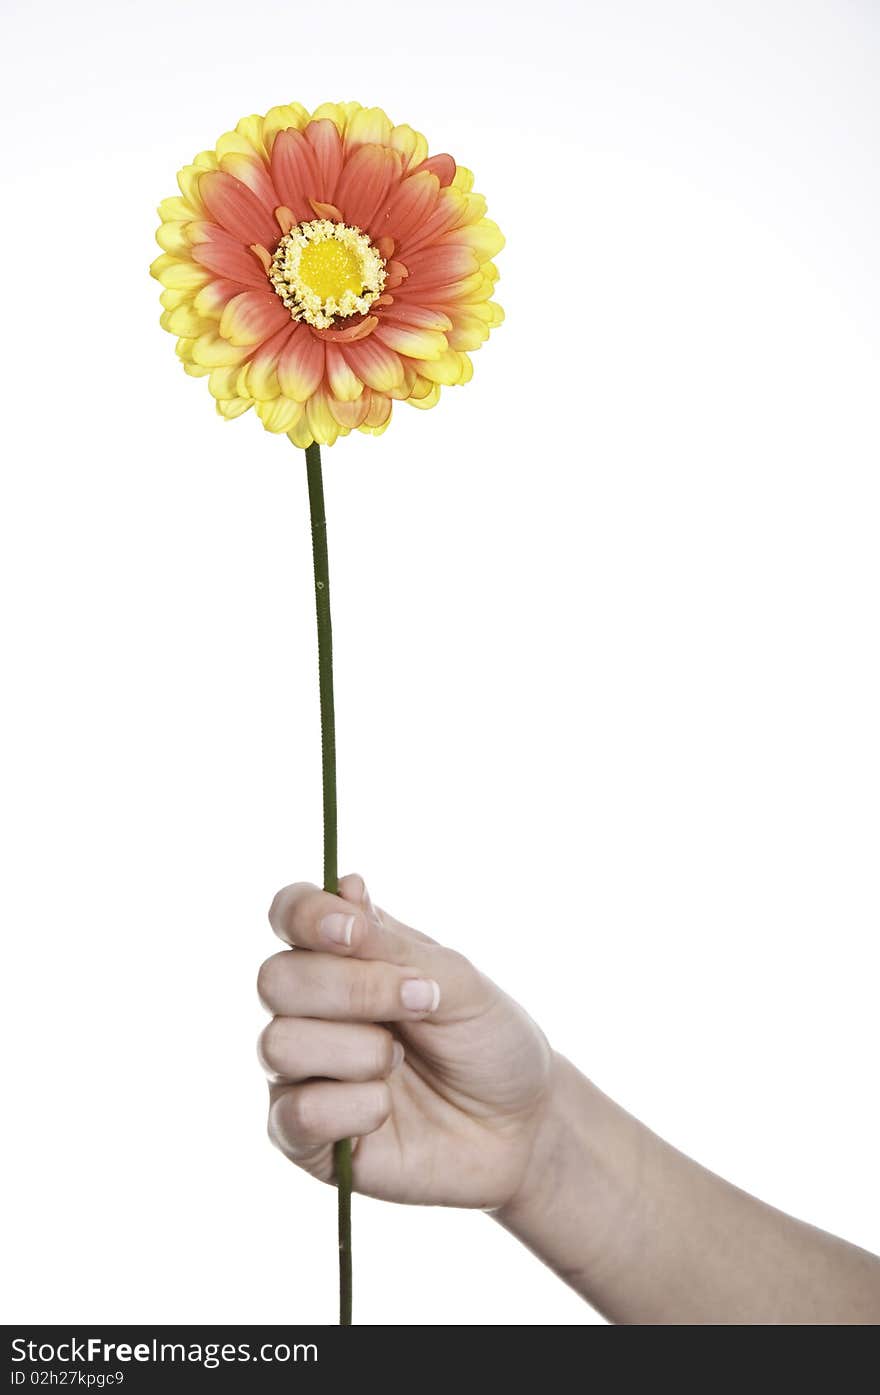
x: 648, y: 1236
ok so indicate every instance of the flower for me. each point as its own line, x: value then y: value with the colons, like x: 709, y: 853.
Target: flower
x: 320, y: 267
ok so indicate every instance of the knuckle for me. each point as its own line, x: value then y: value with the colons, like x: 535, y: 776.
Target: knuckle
x: 303, y: 907
x: 302, y: 1115
x: 270, y: 1048
x: 379, y: 1105
x: 459, y: 962
x: 285, y: 905
x: 277, y: 909
x: 384, y: 1055
x: 363, y: 994
x: 270, y: 977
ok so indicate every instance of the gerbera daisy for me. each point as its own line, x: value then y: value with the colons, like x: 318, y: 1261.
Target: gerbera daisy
x: 319, y: 267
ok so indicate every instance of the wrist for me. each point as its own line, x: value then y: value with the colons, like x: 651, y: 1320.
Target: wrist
x: 577, y: 1206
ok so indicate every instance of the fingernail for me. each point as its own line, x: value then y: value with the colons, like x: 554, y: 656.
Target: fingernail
x: 337, y: 928
x: 420, y: 994
x: 397, y: 1057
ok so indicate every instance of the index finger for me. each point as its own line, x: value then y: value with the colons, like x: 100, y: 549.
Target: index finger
x: 304, y: 916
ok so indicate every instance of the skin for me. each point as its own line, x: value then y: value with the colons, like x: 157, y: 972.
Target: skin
x: 455, y: 1098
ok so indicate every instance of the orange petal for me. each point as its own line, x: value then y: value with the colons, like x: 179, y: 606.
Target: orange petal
x: 301, y: 364
x: 251, y: 171
x: 253, y: 316
x: 350, y: 414
x: 365, y: 186
x: 377, y: 366
x: 440, y: 266
x: 262, y: 256
x: 326, y: 210
x: 294, y: 173
x: 345, y: 385
x: 238, y: 210
x: 326, y: 146
x: 443, y: 166
x: 413, y: 202
x: 225, y: 258
x: 350, y: 335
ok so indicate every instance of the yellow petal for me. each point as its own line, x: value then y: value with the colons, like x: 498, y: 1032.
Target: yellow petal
x: 463, y: 180
x: 178, y: 275
x: 172, y: 238
x: 222, y: 381
x: 188, y: 180
x: 184, y: 321
x: 485, y: 238
x: 236, y: 407
x: 337, y: 112
x: 345, y: 385
x: 171, y: 299
x: 426, y: 398
x: 469, y: 333
x: 258, y: 379
x: 174, y: 210
x: 447, y: 369
x: 415, y: 343
x: 411, y: 144
x: 281, y: 414
x: 301, y: 435
x: 285, y: 118
x: 324, y: 426
x: 211, y: 351
x: 368, y: 126
x: 251, y: 128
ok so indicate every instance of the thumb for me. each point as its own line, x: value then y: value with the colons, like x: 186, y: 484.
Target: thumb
x: 464, y: 989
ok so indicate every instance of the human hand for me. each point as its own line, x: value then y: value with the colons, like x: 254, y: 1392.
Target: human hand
x: 382, y: 1035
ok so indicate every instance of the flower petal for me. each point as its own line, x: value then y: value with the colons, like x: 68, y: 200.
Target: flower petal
x: 294, y: 173
x: 323, y: 138
x: 411, y: 205
x: 411, y: 144
x: 344, y: 383
x: 210, y: 350
x: 253, y: 316
x: 226, y: 258
x: 427, y: 396
x: 250, y: 171
x: 350, y: 414
x: 441, y: 165
x: 485, y: 237
x: 280, y: 414
x: 440, y: 265
x: 416, y: 316
x: 368, y: 126
x: 378, y: 416
x: 177, y: 274
x: 234, y: 408
x: 375, y: 364
x: 365, y: 184
x: 301, y: 365
x: 323, y: 424
x: 282, y: 119
x: 415, y: 343
x: 238, y: 210
x: 450, y: 368
x: 259, y: 376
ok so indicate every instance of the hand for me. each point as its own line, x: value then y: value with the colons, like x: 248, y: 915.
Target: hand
x: 382, y: 1035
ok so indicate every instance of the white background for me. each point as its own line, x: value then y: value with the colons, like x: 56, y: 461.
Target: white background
x: 605, y: 620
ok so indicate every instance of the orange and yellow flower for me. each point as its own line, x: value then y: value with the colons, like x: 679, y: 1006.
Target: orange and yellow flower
x: 319, y: 267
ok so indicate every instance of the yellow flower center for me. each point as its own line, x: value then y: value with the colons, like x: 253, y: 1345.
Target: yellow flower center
x: 324, y: 271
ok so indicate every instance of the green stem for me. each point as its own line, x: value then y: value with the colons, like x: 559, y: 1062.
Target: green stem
x: 342, y: 1150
